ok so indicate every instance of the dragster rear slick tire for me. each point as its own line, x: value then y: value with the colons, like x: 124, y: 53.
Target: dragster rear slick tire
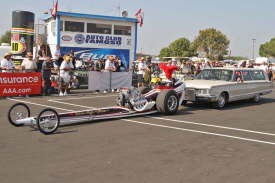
x: 11, y: 121
x: 167, y: 102
x: 40, y: 119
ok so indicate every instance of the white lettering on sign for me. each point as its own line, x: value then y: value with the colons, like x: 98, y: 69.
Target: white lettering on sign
x: 15, y: 91
x: 18, y: 80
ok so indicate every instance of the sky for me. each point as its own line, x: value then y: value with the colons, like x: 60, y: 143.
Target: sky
x: 165, y: 21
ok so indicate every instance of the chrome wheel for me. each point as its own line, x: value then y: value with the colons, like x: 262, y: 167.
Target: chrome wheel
x: 48, y: 121
x: 257, y: 98
x: 172, y: 102
x: 17, y: 112
x: 221, y: 101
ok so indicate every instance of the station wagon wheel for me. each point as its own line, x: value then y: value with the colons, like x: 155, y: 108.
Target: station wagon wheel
x: 256, y: 98
x: 220, y: 103
x: 18, y: 111
x: 48, y: 121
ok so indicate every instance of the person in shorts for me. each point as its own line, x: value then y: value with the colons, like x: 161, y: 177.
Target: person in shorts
x: 47, y: 66
x: 142, y: 68
x: 65, y: 76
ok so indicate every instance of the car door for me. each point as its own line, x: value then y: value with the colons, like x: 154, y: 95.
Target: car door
x: 236, y: 89
x: 249, y: 86
x: 261, y: 82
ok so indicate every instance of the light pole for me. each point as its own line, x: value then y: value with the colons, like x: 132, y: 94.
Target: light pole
x: 253, y: 48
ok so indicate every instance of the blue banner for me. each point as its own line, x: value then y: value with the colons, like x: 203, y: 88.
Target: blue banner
x: 98, y: 53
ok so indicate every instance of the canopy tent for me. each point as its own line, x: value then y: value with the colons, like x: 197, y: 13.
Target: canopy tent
x: 261, y: 60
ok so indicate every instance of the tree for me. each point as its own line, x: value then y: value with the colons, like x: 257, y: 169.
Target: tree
x: 178, y: 48
x: 268, y: 49
x: 6, y: 38
x: 212, y: 43
x: 181, y: 48
x: 165, y: 52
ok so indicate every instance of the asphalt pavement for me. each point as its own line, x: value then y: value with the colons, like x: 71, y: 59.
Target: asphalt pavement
x: 198, y: 145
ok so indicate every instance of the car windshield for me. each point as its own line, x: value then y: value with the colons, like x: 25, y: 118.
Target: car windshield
x: 215, y: 74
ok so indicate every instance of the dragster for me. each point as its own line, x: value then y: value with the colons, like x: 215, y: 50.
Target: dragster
x: 164, y: 98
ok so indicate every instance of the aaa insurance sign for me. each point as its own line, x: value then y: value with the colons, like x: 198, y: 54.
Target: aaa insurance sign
x: 14, y: 84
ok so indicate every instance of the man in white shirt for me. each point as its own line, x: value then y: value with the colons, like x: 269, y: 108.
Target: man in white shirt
x: 110, y: 67
x: 142, y: 67
x: 65, y: 68
x: 264, y: 67
x: 110, y: 64
x: 28, y: 64
x: 6, y: 64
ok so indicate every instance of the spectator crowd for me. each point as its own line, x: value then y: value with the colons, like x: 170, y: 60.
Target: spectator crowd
x: 64, y: 66
x: 58, y: 70
x: 145, y: 69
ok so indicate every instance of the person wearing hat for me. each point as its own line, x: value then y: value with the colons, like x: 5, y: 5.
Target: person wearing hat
x: 28, y: 64
x: 6, y: 64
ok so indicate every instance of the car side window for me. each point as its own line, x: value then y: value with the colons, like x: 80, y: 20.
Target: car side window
x: 257, y: 75
x: 246, y: 76
x: 238, y: 76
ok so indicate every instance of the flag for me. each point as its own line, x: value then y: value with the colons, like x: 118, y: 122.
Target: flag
x: 139, y: 15
x: 54, y: 10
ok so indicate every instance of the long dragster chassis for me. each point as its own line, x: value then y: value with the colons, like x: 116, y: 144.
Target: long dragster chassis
x: 48, y: 120
x: 131, y: 102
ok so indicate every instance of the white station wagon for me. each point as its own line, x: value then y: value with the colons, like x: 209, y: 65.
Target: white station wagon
x: 223, y: 85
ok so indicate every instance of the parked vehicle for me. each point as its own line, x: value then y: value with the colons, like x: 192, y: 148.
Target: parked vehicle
x: 222, y: 85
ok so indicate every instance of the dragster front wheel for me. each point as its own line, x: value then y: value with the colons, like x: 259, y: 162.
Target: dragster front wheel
x: 18, y: 111
x: 48, y: 121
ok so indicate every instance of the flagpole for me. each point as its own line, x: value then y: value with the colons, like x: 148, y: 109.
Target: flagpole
x: 141, y: 30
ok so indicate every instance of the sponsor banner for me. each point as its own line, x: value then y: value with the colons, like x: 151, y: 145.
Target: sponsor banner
x: 96, y: 40
x: 14, y: 84
x: 109, y: 80
x: 99, y: 53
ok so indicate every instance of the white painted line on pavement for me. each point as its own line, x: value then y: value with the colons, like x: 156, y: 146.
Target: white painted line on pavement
x: 32, y: 103
x: 163, y: 126
x: 202, y: 132
x: 215, y: 126
x: 187, y: 122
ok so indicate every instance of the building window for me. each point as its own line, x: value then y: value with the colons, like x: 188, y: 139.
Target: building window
x: 99, y: 28
x: 122, y: 30
x: 74, y: 26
